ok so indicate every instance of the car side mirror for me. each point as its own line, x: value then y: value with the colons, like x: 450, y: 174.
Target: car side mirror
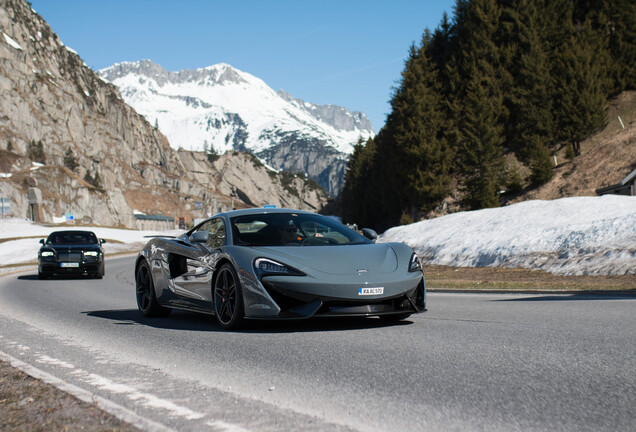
x: 41, y: 241
x: 200, y: 237
x: 102, y: 241
x: 370, y: 234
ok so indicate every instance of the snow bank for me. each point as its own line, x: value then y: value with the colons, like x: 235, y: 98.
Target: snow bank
x: 571, y: 236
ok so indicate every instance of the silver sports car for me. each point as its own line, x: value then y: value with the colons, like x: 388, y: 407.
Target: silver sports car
x: 278, y: 264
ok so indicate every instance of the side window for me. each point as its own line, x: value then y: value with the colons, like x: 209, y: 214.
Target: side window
x: 216, y: 228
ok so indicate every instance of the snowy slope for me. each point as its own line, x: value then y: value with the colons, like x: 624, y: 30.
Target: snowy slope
x: 582, y: 235
x: 226, y: 108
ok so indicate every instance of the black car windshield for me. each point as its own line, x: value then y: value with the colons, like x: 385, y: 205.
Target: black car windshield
x: 291, y: 229
x: 71, y: 237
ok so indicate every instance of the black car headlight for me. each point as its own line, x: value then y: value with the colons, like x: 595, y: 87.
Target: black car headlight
x: 415, y: 264
x: 47, y: 254
x: 267, y: 267
x: 91, y: 254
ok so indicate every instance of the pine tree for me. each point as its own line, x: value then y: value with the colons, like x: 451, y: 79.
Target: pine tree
x: 420, y: 157
x: 355, y: 192
x: 530, y: 125
x: 70, y: 161
x: 480, y: 148
x: 615, y: 22
x: 480, y: 134
x: 35, y: 152
x: 580, y: 93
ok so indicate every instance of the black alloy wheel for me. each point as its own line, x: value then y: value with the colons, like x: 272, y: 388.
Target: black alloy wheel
x: 228, y: 298
x: 146, y: 298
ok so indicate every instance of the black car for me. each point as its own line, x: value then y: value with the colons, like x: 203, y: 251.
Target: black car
x: 71, y: 252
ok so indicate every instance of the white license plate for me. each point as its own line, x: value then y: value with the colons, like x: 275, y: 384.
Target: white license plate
x: 371, y: 291
x: 69, y: 265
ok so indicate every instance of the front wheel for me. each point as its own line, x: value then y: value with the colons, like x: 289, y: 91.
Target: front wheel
x: 228, y: 298
x: 146, y: 297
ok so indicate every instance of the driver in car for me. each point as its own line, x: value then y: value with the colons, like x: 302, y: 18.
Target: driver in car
x: 288, y: 233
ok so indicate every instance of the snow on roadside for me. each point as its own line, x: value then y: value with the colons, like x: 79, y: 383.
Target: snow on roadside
x: 25, y: 250
x: 569, y: 236
x: 572, y: 236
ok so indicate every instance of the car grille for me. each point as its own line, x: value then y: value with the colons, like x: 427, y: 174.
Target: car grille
x: 70, y: 257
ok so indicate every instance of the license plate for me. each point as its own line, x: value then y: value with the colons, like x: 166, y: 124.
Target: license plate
x: 69, y: 265
x: 371, y: 291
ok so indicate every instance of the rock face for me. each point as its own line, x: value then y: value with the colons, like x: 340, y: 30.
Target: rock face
x: 226, y: 109
x: 70, y: 142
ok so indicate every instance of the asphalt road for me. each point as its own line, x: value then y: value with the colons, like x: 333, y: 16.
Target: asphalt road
x: 472, y: 362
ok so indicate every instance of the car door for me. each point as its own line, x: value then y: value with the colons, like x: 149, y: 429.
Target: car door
x: 196, y: 263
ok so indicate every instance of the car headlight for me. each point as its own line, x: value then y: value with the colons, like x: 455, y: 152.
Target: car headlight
x: 47, y: 254
x: 415, y: 264
x: 91, y: 253
x: 265, y: 266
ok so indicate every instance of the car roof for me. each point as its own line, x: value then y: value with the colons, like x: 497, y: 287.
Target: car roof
x: 250, y: 211
x: 257, y: 211
x: 73, y: 232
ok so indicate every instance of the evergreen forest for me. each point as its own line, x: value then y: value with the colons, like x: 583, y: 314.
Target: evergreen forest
x: 485, y: 101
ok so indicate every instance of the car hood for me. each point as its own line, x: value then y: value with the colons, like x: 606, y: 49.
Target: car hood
x: 340, y: 260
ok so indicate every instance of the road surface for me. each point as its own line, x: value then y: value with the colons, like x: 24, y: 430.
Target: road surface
x: 472, y: 362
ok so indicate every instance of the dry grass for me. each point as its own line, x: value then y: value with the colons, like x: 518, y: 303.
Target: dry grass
x: 606, y: 157
x: 27, y: 404
x: 517, y: 279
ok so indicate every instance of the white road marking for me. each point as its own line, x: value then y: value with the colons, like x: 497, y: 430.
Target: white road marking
x: 124, y: 414
x: 146, y: 399
x: 226, y: 427
x: 110, y: 407
x: 53, y: 361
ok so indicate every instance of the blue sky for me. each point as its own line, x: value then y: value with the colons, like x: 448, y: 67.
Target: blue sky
x: 347, y: 53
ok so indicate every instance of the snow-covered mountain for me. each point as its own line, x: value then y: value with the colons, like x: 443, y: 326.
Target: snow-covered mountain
x: 223, y: 108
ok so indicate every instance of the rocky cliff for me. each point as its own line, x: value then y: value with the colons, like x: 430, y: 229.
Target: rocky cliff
x: 69, y: 144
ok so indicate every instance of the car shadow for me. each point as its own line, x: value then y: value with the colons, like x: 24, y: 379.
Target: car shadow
x: 190, y: 321
x: 32, y: 277
x: 595, y: 296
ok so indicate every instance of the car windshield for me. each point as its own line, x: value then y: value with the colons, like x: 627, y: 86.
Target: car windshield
x: 292, y: 229
x: 71, y: 237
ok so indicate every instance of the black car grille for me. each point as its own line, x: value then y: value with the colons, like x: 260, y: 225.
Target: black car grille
x: 69, y: 257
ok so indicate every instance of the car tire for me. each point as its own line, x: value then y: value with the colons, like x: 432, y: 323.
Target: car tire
x: 145, y: 291
x: 42, y: 276
x: 228, y: 298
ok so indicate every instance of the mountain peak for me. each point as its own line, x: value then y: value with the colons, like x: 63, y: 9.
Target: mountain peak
x: 218, y: 74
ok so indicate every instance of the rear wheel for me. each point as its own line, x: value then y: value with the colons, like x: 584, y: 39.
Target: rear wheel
x: 146, y: 297
x: 228, y: 298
